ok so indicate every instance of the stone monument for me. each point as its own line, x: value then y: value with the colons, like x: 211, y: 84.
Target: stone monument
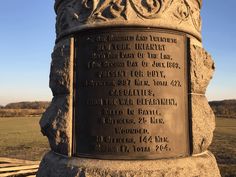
x: 129, y: 79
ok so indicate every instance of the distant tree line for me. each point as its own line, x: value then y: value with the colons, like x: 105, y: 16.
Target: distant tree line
x: 28, y: 105
x: 225, y: 108
x: 24, y: 109
x: 21, y: 112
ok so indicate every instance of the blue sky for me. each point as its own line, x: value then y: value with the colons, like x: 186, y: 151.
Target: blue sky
x: 26, y: 42
x: 27, y: 35
x: 219, y: 39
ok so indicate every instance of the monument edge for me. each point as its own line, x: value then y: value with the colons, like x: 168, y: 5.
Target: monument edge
x: 198, y: 165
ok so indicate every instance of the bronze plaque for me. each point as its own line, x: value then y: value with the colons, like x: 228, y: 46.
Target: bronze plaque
x: 131, y: 94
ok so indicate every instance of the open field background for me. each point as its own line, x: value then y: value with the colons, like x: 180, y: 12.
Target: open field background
x: 20, y: 137
x: 224, y: 146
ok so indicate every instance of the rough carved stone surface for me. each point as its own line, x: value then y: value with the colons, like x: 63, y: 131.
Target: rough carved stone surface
x: 60, y: 68
x: 203, y: 165
x: 55, y: 124
x: 201, y: 68
x: 183, y: 15
x: 203, y: 123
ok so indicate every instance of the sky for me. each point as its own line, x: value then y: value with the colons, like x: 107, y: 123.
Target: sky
x: 27, y: 37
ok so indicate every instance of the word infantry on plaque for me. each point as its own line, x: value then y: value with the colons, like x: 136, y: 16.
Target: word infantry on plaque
x: 131, y: 94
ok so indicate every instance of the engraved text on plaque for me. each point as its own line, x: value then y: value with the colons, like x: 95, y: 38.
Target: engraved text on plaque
x: 131, y: 90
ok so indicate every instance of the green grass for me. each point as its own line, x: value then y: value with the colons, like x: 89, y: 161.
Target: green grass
x: 21, y: 138
x: 224, y: 146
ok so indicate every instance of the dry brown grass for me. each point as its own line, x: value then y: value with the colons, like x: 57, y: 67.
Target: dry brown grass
x: 21, y: 138
x: 224, y: 146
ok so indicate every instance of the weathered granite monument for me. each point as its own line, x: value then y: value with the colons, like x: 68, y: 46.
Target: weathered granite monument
x: 129, y: 80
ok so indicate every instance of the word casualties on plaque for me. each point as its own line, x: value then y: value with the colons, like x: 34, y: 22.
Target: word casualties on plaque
x: 131, y: 94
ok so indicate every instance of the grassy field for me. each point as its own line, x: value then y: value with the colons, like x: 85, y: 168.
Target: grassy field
x: 21, y: 138
x: 224, y: 146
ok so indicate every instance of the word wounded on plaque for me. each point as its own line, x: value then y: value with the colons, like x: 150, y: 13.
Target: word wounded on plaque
x: 130, y: 94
